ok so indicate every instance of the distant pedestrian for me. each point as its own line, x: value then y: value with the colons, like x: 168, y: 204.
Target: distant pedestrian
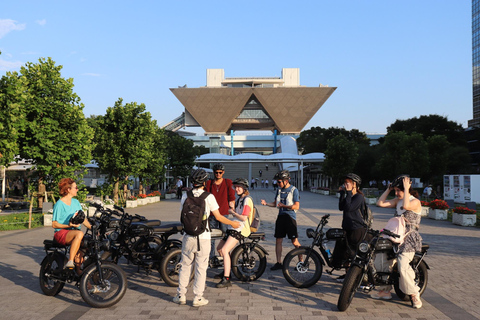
x: 263, y: 183
x: 266, y: 183
x: 260, y: 173
x: 266, y: 167
x: 252, y: 184
x: 179, y: 185
x: 427, y: 192
x: 274, y: 183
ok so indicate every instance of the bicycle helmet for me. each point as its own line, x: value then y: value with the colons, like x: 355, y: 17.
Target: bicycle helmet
x: 78, y: 217
x: 398, y: 181
x: 198, y: 177
x: 354, y: 177
x: 241, y: 182
x: 219, y: 167
x: 282, y: 175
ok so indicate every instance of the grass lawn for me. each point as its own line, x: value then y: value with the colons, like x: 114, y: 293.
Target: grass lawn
x: 17, y: 221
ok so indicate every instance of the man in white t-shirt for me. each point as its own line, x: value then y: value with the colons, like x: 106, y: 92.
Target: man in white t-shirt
x: 196, y: 249
x: 179, y: 185
x: 427, y: 192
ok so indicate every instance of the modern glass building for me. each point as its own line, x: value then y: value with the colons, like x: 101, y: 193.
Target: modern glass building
x: 475, y: 122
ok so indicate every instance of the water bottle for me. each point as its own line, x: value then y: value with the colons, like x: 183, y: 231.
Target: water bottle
x: 329, y: 253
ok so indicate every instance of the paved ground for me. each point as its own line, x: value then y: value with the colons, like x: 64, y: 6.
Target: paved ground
x: 452, y: 291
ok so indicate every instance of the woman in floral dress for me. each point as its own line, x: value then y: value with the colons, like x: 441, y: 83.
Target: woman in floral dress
x: 407, y: 205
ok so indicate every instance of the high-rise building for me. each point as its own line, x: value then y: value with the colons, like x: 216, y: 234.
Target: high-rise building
x: 475, y: 122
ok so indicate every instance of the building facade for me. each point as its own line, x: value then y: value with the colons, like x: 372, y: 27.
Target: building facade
x: 224, y: 105
x: 475, y: 122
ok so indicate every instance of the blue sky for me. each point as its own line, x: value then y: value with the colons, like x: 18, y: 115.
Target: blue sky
x: 389, y: 59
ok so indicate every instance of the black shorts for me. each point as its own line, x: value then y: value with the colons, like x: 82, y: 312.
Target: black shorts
x: 234, y: 234
x: 286, y: 226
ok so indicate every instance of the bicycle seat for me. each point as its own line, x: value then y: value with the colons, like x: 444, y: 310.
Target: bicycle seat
x: 425, y: 247
x: 48, y: 244
x: 167, y: 228
x: 152, y: 223
x: 216, y: 233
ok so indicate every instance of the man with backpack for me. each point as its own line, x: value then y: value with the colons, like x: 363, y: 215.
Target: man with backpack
x: 288, y: 202
x: 222, y: 190
x: 196, y: 207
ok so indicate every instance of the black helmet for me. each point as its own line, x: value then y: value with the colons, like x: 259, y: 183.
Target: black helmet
x: 198, y: 177
x: 219, y: 167
x: 241, y: 182
x: 78, y: 217
x: 398, y: 181
x: 354, y: 177
x: 282, y: 175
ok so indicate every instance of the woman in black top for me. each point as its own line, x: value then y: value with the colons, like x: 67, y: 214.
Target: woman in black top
x: 351, y: 203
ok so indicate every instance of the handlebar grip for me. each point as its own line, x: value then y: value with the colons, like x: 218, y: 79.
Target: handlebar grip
x: 389, y: 233
x: 96, y: 205
x: 117, y: 208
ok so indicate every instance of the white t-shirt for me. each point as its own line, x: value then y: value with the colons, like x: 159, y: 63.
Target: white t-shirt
x: 179, y: 183
x: 210, y: 205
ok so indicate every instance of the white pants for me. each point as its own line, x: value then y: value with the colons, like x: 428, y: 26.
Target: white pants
x: 190, y: 254
x: 407, y: 274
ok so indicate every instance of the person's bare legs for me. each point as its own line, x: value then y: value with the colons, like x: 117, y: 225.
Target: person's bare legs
x: 278, y: 249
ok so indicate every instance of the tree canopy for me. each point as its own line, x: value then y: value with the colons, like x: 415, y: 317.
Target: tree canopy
x: 125, y: 142
x: 427, y: 147
x: 340, y: 157
x: 46, y: 121
x: 316, y: 138
x: 181, y: 154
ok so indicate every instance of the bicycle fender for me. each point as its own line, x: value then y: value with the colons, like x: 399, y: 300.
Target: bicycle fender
x: 262, y: 248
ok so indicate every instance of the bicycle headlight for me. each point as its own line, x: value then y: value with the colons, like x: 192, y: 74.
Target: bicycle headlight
x: 363, y: 247
x: 310, y: 233
x: 113, y: 236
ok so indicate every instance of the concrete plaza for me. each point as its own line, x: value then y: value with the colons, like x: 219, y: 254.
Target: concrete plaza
x: 453, y: 279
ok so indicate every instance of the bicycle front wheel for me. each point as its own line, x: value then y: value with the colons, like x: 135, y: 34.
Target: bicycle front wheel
x: 302, y: 267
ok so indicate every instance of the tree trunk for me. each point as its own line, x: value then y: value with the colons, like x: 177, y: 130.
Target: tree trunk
x: 41, y: 192
x: 115, y: 191
x: 125, y: 188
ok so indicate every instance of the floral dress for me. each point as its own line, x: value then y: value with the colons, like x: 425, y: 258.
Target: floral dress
x: 413, y: 240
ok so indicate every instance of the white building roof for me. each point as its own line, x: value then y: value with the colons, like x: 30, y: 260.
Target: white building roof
x: 253, y: 157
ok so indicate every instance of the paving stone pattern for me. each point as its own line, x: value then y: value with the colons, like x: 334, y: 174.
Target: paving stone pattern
x: 452, y: 291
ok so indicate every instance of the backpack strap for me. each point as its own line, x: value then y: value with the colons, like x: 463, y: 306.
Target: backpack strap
x: 204, y: 196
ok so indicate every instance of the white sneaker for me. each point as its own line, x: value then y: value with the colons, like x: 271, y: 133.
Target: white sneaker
x: 198, y: 302
x: 178, y: 299
x: 70, y: 265
x: 416, y: 302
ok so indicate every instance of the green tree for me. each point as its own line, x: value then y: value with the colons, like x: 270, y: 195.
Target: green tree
x: 429, y: 126
x: 11, y: 114
x: 459, y: 160
x: 340, y: 157
x: 155, y: 168
x: 316, y: 138
x: 52, y: 132
x: 403, y: 153
x: 125, y: 141
x: 439, y: 158
x: 181, y: 154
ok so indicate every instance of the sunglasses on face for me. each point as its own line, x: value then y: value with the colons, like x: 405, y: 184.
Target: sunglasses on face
x: 219, y: 172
